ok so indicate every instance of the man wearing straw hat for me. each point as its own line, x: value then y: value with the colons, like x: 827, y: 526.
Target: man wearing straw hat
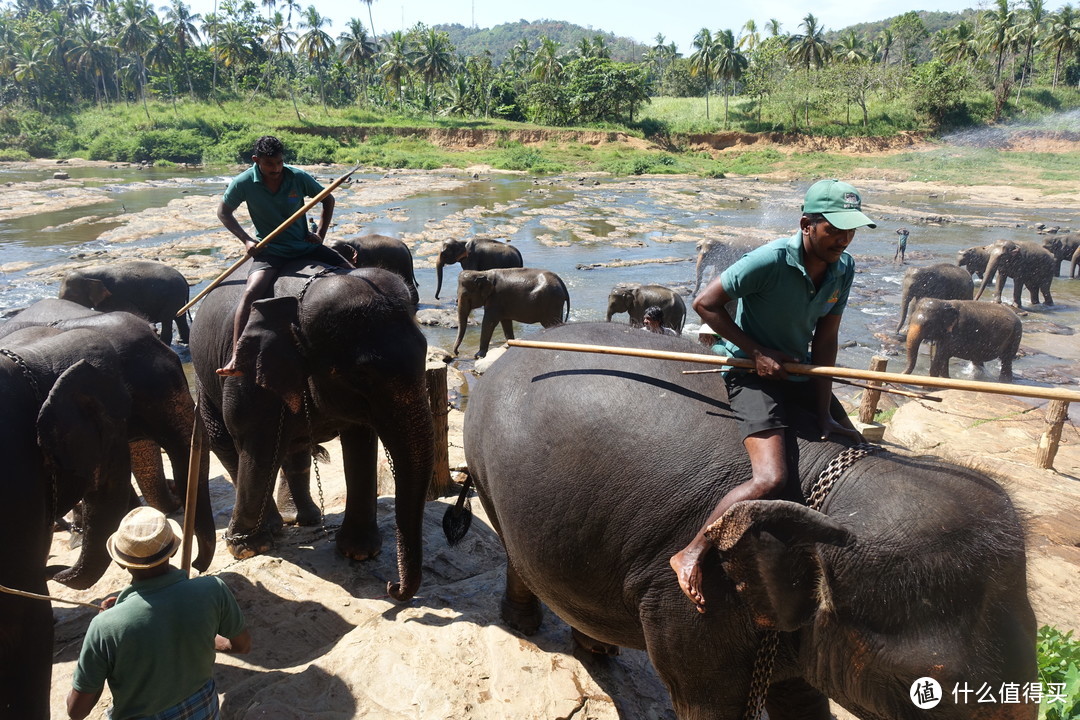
x: 273, y: 191
x: 791, y: 295
x: 155, y: 642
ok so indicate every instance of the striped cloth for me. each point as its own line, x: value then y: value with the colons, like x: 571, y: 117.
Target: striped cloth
x: 201, y: 705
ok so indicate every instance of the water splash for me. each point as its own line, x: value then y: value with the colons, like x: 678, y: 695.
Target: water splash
x: 1059, y: 126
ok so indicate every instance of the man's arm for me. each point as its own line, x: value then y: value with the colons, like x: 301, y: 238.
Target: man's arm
x: 328, y: 203
x: 823, y: 350
x: 227, y: 217
x: 710, y: 306
x: 79, y: 704
x: 236, y: 645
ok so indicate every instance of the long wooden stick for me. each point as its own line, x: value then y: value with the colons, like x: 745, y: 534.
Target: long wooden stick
x: 266, y: 240
x: 816, y: 370
x: 35, y: 596
x: 191, y: 499
x: 853, y: 383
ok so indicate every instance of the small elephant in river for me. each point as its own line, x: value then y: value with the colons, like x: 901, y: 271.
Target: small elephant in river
x: 1063, y: 247
x: 527, y: 295
x: 1027, y: 263
x: 1073, y: 262
x: 965, y: 329
x: 718, y: 254
x: 635, y: 299
x: 149, y: 289
x: 476, y: 254
x: 381, y: 251
x: 974, y: 259
x: 907, y: 567
x: 945, y: 281
x: 63, y: 436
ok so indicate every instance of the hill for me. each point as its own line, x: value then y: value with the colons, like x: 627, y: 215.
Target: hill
x: 499, y: 39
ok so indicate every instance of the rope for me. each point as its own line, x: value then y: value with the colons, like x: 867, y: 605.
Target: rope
x: 35, y: 596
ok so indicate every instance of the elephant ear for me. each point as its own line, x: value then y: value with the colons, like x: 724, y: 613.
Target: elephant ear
x: 767, y: 549
x: 470, y: 247
x: 269, y: 349
x: 97, y: 292
x: 82, y: 429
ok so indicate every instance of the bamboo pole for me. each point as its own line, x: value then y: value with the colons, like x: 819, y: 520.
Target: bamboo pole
x: 266, y: 240
x: 35, y: 596
x: 191, y: 499
x: 1041, y: 393
x: 1056, y: 413
x: 441, y: 482
x: 868, y: 406
x: 853, y: 383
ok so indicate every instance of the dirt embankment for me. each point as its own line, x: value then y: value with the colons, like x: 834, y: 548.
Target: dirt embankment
x: 474, y: 138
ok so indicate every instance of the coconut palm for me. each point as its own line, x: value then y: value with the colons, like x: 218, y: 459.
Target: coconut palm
x: 1028, y: 32
x: 957, y: 44
x: 998, y: 33
x: 182, y: 22
x: 546, y: 65
x: 278, y: 41
x: 851, y: 47
x: 885, y: 41
x: 395, y: 63
x: 600, y: 47
x: 1063, y: 36
x: 730, y: 64
x: 773, y: 27
x: 370, y: 20
x: 750, y: 36
x: 134, y: 38
x: 92, y: 55
x: 162, y: 52
x: 316, y: 45
x: 809, y: 50
x: 358, y: 50
x: 703, y: 61
x: 433, y: 60
x: 31, y: 69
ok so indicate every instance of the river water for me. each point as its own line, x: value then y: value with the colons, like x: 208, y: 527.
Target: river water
x: 593, y: 232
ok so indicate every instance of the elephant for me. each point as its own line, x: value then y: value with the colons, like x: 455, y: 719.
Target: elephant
x: 965, y: 329
x: 152, y: 290
x: 635, y: 299
x: 974, y: 259
x: 381, y: 251
x: 719, y: 254
x: 1074, y: 261
x: 1063, y: 247
x: 1027, y: 263
x: 162, y: 412
x: 333, y: 353
x: 64, y: 439
x: 860, y: 610
x: 476, y: 254
x: 527, y: 295
x: 945, y: 281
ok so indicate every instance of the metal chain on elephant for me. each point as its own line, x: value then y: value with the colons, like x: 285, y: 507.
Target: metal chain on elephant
x: 31, y: 380
x: 269, y: 487
x: 315, y: 464
x: 770, y: 639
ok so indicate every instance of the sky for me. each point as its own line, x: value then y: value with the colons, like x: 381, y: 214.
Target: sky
x: 677, y: 20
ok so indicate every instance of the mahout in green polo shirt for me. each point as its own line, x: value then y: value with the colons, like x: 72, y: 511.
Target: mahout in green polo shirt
x: 268, y: 210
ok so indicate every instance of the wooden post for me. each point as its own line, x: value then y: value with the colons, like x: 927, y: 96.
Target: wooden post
x: 868, y: 406
x: 441, y: 483
x: 1056, y: 412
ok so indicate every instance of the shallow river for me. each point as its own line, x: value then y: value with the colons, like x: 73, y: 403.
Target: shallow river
x: 584, y: 229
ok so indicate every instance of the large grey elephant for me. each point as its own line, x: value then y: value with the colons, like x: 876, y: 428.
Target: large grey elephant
x: 974, y: 259
x: 63, y: 437
x: 910, y: 566
x: 1027, y: 263
x: 945, y: 281
x: 384, y: 252
x: 718, y: 254
x: 475, y: 254
x: 635, y: 299
x: 965, y: 329
x: 527, y: 295
x: 333, y: 353
x: 149, y: 289
x: 1062, y: 247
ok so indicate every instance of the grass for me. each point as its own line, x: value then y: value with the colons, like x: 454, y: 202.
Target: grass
x: 1059, y: 664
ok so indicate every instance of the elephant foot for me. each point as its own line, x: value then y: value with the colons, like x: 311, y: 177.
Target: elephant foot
x: 593, y: 645
x: 305, y: 514
x: 525, y: 617
x: 359, y: 543
x: 243, y: 547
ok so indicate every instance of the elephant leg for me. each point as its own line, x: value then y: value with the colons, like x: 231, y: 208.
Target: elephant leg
x: 590, y: 644
x: 219, y: 439
x: 166, y: 330
x: 149, y: 471
x: 508, y: 329
x: 1006, y: 374
x: 796, y: 699
x: 294, y: 490
x: 1047, y: 299
x: 487, y: 327
x: 182, y: 328
x: 26, y: 647
x: 520, y: 606
x: 359, y: 538
x: 255, y: 517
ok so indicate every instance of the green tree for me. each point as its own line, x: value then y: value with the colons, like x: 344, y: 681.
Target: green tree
x: 809, y: 50
x: 433, y: 60
x: 358, y: 51
x: 92, y: 55
x: 395, y: 64
x: 998, y: 34
x: 1063, y: 37
x: 851, y: 47
x: 547, y: 66
x: 957, y: 44
x: 938, y: 89
x: 185, y: 32
x: 1029, y: 31
x: 316, y: 45
x: 134, y: 38
x: 703, y: 61
x: 909, y: 30
x: 730, y: 65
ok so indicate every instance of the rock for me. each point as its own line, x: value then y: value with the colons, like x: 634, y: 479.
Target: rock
x: 485, y: 362
x: 61, y: 176
x: 438, y: 317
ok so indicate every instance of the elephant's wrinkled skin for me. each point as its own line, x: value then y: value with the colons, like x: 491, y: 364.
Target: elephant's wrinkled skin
x: 945, y: 281
x: 340, y: 355
x: 913, y: 567
x: 634, y: 299
x: 718, y: 254
x: 162, y: 410
x: 149, y: 289
x: 64, y: 439
x: 1027, y: 263
x: 384, y: 252
x: 974, y: 259
x: 526, y: 295
x: 475, y: 254
x: 967, y: 329
x: 1063, y: 247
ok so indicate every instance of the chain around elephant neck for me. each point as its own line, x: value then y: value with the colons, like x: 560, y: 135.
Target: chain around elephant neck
x: 770, y: 639
x: 35, y: 388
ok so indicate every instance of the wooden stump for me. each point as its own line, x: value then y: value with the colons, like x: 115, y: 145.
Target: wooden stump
x: 441, y: 483
x: 1056, y: 413
x: 868, y: 406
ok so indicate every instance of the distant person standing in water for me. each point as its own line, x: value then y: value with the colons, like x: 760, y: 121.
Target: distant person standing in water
x: 901, y: 244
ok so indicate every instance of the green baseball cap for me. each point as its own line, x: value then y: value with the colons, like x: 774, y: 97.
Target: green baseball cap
x: 839, y: 202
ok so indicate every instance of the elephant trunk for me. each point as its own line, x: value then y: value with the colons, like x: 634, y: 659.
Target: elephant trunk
x: 611, y: 310
x: 438, y: 276
x: 914, y: 340
x: 1073, y: 263
x: 988, y: 275
x: 177, y: 445
x: 463, y: 310
x: 905, y: 301
x: 409, y: 437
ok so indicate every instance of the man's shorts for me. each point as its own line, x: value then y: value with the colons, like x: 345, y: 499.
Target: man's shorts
x: 760, y: 404
x: 321, y: 253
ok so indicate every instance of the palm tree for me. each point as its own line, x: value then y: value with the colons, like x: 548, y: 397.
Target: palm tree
x: 730, y: 65
x: 91, y: 54
x: 370, y: 20
x: 161, y: 54
x: 809, y: 49
x: 433, y: 60
x: 851, y: 47
x: 885, y: 41
x: 315, y: 44
x: 277, y: 42
x: 55, y: 39
x: 395, y: 63
x: 998, y: 33
x: 185, y: 33
x: 1063, y: 36
x: 750, y: 37
x: 600, y: 47
x: 357, y: 50
x: 31, y: 69
x: 546, y: 65
x: 134, y: 39
x: 773, y: 26
x: 703, y: 61
x: 957, y: 44
x: 584, y: 48
x: 1028, y: 31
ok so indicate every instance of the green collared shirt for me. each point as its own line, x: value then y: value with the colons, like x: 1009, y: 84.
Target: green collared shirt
x: 268, y: 210
x: 778, y: 304
x: 155, y: 647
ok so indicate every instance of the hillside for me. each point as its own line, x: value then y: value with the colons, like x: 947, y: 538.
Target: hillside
x: 499, y: 39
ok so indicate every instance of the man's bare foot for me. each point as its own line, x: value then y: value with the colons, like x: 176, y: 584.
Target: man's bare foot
x: 687, y: 566
x: 230, y: 369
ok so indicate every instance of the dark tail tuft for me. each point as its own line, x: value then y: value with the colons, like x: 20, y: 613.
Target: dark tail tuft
x: 458, y: 517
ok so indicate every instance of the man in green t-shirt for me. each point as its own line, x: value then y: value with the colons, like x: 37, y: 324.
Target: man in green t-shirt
x: 156, y: 641
x: 273, y: 191
x: 791, y: 295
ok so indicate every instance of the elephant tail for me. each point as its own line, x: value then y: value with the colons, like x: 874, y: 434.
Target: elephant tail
x: 566, y: 292
x: 458, y: 517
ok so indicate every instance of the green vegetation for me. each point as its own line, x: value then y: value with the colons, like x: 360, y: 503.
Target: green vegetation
x: 1059, y: 666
